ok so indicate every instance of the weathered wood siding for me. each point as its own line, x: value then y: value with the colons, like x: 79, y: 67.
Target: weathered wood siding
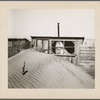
x: 87, y: 56
x: 15, y: 46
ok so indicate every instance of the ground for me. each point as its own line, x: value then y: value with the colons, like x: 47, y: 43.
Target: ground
x: 45, y: 71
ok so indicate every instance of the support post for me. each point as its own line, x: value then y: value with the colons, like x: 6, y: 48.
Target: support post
x: 77, y: 49
x: 50, y: 46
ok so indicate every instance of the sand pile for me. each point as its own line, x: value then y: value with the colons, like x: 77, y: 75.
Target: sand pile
x: 45, y: 71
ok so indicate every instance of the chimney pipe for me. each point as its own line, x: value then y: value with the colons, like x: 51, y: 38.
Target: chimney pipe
x: 58, y: 30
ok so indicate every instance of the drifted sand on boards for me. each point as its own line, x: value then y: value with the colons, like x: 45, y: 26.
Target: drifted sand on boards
x: 45, y: 71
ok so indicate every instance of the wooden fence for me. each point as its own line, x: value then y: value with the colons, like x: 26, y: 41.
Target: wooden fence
x: 87, y: 58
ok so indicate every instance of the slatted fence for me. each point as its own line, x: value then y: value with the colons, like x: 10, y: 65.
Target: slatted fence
x: 87, y: 58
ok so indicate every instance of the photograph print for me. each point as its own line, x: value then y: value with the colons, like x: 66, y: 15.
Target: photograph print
x: 51, y: 48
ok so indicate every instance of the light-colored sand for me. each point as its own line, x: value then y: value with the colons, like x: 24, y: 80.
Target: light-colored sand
x: 45, y: 71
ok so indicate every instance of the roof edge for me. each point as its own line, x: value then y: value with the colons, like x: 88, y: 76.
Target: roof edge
x: 57, y: 37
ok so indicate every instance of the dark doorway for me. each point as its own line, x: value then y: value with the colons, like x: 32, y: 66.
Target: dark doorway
x: 69, y: 46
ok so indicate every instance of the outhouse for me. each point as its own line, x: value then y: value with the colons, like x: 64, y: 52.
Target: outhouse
x: 67, y: 47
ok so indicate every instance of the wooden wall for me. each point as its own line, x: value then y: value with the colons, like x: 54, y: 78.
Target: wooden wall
x: 15, y: 47
x: 87, y: 57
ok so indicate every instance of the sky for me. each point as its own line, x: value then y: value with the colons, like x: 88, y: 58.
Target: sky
x: 23, y: 23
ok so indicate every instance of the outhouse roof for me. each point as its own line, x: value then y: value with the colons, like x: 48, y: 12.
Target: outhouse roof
x: 15, y: 39
x: 49, y: 37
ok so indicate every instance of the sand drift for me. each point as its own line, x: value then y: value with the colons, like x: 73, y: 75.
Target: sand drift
x: 45, y: 71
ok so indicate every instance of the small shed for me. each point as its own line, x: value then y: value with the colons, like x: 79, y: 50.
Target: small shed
x: 15, y: 45
x: 67, y: 47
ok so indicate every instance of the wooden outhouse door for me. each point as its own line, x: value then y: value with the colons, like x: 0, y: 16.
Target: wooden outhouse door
x: 45, y: 46
x: 42, y: 45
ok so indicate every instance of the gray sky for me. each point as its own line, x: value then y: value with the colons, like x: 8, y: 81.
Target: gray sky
x: 43, y: 22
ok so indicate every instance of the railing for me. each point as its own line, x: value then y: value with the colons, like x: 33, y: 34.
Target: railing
x: 73, y: 55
